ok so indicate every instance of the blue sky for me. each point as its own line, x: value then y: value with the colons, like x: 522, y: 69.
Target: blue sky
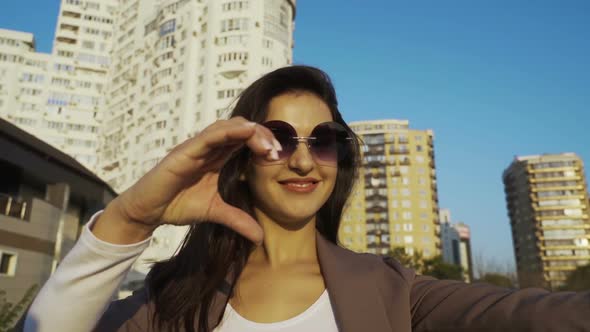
x: 492, y: 79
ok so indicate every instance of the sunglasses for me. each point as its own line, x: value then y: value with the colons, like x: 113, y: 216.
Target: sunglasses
x: 328, y: 144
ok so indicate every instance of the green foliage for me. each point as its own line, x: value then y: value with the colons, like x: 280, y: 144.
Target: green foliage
x: 579, y: 280
x: 9, y: 312
x: 437, y: 268
x: 414, y: 261
x: 496, y: 279
x: 434, y: 266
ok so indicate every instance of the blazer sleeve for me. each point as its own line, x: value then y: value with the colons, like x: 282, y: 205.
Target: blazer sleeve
x: 445, y: 305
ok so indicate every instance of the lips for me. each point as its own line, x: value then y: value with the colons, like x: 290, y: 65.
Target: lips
x: 300, y: 185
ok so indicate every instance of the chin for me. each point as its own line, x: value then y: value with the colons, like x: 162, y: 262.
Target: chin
x: 293, y: 218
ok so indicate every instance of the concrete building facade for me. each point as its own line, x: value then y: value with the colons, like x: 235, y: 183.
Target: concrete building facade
x: 177, y: 67
x: 547, y: 201
x: 58, y: 97
x: 45, y: 196
x: 395, y: 201
x: 456, y: 244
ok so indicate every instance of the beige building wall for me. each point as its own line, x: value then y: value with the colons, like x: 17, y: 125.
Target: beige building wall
x: 395, y: 201
x: 547, y: 200
x: 31, y: 244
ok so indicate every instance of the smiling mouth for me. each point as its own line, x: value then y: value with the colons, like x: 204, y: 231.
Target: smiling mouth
x: 300, y: 186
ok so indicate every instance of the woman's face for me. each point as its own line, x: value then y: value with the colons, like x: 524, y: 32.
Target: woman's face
x: 292, y: 192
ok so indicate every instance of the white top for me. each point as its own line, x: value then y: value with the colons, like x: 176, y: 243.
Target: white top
x: 77, y: 294
x: 318, y: 317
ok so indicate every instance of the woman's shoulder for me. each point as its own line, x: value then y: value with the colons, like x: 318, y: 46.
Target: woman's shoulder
x: 386, y: 266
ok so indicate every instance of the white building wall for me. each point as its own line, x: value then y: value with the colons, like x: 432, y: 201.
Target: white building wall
x: 67, y: 110
x: 23, y: 76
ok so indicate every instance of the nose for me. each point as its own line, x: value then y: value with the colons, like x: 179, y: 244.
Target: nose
x: 301, y: 161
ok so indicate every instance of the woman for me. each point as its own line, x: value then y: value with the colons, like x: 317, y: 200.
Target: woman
x: 264, y: 193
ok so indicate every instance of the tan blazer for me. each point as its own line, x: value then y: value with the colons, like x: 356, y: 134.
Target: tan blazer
x: 369, y: 293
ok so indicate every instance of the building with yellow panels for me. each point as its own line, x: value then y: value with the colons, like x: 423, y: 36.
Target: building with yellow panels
x: 395, y: 200
x: 547, y: 200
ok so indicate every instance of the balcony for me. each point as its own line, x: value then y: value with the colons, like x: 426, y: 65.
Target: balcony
x: 12, y: 207
x: 405, y: 162
x: 374, y: 150
x: 399, y: 151
x: 377, y: 209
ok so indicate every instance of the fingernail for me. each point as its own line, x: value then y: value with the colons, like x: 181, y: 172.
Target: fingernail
x: 273, y: 154
x: 277, y: 145
x: 250, y: 124
x: 267, y: 145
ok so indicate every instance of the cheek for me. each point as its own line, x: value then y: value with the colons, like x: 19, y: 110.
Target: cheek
x: 330, y: 174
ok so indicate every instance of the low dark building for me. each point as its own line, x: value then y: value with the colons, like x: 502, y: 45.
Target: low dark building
x: 45, y: 197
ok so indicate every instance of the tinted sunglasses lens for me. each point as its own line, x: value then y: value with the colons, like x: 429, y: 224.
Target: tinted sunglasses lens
x: 329, y: 145
x: 283, y: 133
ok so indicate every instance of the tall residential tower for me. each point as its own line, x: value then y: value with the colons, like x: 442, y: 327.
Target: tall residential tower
x: 177, y: 67
x: 547, y: 200
x: 395, y: 201
x: 58, y: 97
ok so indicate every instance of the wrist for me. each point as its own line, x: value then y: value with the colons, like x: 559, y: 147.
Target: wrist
x: 113, y: 226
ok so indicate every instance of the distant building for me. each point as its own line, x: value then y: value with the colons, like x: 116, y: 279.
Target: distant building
x: 456, y: 244
x: 59, y: 97
x: 547, y: 201
x: 177, y: 66
x: 45, y: 196
x: 395, y: 201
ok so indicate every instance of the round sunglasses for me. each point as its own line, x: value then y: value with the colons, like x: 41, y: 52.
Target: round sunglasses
x: 328, y: 144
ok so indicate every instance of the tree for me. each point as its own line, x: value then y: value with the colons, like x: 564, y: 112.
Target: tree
x: 496, y: 279
x: 414, y: 261
x: 10, y: 312
x: 579, y: 280
x: 436, y: 267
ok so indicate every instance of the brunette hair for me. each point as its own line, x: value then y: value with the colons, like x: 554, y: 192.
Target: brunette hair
x: 184, y: 286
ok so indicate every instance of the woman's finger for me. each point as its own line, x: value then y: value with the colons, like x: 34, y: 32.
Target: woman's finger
x: 236, y: 219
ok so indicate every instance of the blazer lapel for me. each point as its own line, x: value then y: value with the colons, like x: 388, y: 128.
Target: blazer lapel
x: 354, y: 295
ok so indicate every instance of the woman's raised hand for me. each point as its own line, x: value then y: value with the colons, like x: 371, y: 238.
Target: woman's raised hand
x: 182, y: 188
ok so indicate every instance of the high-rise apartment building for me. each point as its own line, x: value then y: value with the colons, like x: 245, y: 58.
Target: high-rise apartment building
x: 23, y: 77
x: 395, y: 201
x: 177, y: 66
x: 449, y: 238
x: 58, y: 97
x: 547, y: 200
x: 456, y: 244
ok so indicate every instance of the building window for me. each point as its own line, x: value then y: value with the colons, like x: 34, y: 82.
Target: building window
x: 88, y: 44
x: 234, y: 24
x: 167, y: 27
x: 7, y: 263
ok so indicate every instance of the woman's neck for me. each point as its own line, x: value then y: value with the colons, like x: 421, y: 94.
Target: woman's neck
x: 285, y: 246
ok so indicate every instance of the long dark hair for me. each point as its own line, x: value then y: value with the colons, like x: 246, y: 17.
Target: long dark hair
x: 184, y: 286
